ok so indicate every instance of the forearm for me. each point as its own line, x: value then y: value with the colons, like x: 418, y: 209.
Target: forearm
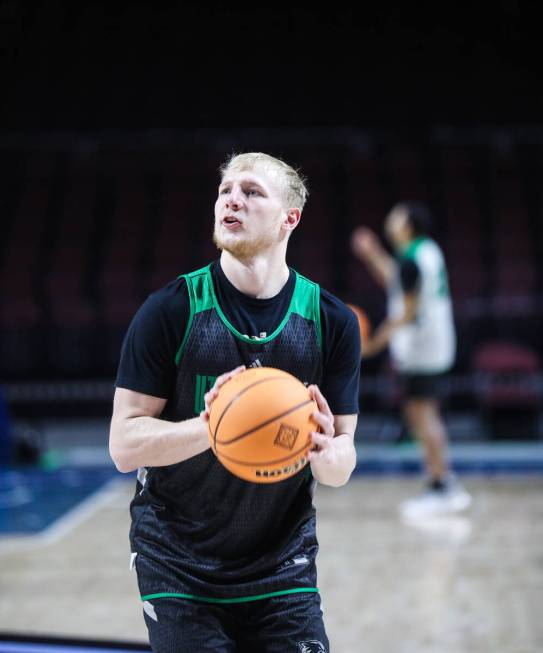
x: 380, y: 339
x: 367, y: 247
x: 382, y: 335
x: 143, y: 441
x: 336, y: 469
x: 380, y: 266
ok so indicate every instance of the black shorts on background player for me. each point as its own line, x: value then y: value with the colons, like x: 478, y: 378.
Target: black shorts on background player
x: 422, y: 386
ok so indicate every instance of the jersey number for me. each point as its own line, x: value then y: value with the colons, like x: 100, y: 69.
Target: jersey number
x: 203, y: 384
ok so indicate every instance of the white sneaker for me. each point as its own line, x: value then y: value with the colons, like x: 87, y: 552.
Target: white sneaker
x: 451, y: 500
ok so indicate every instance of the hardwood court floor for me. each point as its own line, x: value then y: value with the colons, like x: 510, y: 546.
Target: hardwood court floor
x: 469, y: 584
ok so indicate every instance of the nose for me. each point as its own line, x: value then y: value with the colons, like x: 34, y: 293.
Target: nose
x: 234, y: 198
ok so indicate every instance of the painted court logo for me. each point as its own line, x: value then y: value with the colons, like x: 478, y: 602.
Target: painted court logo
x: 311, y: 646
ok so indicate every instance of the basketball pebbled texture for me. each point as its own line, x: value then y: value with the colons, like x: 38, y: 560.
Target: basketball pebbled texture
x: 260, y: 425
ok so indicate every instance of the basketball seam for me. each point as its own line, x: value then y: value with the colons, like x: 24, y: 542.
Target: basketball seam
x: 267, y: 462
x: 271, y: 378
x: 262, y: 424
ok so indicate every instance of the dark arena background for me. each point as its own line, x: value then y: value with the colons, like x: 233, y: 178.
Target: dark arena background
x: 114, y: 120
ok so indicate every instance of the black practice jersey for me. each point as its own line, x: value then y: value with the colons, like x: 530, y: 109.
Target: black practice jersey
x: 199, y: 531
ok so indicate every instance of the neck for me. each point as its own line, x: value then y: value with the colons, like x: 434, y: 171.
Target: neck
x: 403, y: 247
x: 260, y: 276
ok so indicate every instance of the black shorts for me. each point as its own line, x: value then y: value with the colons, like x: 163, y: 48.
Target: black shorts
x: 422, y: 386
x: 281, y: 624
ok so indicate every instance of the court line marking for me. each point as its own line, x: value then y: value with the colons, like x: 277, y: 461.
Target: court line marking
x: 100, y: 498
x: 38, y: 647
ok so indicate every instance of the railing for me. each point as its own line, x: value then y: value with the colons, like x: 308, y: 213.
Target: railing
x: 101, y: 390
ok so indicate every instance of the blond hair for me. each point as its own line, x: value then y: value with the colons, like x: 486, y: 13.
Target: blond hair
x: 294, y: 188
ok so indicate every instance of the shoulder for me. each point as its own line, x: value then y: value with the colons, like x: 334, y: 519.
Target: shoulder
x: 169, y: 298
x: 336, y: 311
x: 164, y: 309
x: 430, y: 256
x: 429, y: 248
x: 340, y: 329
x: 341, y: 354
x: 147, y: 360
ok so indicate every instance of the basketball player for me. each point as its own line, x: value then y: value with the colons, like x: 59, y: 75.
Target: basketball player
x: 223, y: 564
x: 420, y: 332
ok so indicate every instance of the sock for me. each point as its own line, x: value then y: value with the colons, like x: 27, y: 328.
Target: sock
x: 437, y: 485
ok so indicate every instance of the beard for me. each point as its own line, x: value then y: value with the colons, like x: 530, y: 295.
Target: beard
x: 245, y: 247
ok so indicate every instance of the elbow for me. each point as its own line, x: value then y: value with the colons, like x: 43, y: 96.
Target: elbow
x: 348, y: 470
x: 120, y: 454
x: 344, y: 479
x: 336, y: 478
x: 122, y: 460
x: 336, y: 481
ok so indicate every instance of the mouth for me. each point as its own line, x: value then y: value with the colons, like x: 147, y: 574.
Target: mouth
x: 231, y: 222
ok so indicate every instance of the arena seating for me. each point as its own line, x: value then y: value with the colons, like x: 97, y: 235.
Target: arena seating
x: 91, y: 228
x: 507, y: 387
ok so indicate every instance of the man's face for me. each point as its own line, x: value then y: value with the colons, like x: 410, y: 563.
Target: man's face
x: 397, y: 228
x: 249, y: 212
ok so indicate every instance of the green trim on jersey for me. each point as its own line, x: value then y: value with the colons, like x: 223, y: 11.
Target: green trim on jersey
x: 411, y: 249
x: 237, y: 599
x: 199, y: 299
x: 410, y: 253
x: 305, y: 302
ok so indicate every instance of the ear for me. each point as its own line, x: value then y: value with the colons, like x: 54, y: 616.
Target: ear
x: 291, y: 219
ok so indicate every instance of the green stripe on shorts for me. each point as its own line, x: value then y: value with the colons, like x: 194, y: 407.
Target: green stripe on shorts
x: 237, y: 599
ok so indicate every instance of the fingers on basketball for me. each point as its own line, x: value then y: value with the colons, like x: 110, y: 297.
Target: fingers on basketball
x: 261, y: 423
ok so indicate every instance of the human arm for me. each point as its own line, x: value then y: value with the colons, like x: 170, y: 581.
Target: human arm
x: 138, y: 438
x: 337, y: 394
x: 367, y: 248
x: 145, y: 378
x: 384, y: 332
x: 333, y: 457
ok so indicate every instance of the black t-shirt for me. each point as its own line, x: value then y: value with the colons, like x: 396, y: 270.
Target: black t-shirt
x: 147, y: 362
x: 409, y: 275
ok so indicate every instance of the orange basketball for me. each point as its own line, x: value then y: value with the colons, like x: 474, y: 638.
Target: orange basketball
x: 364, y: 323
x: 259, y: 425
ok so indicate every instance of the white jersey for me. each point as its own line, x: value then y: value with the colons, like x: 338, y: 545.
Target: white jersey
x: 427, y: 345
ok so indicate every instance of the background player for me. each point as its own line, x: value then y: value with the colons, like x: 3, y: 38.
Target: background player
x: 223, y: 564
x: 420, y: 331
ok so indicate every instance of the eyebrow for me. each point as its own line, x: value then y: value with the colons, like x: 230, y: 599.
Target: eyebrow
x: 246, y: 182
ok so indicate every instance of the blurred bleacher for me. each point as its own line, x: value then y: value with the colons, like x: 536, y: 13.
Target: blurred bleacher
x: 93, y: 223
